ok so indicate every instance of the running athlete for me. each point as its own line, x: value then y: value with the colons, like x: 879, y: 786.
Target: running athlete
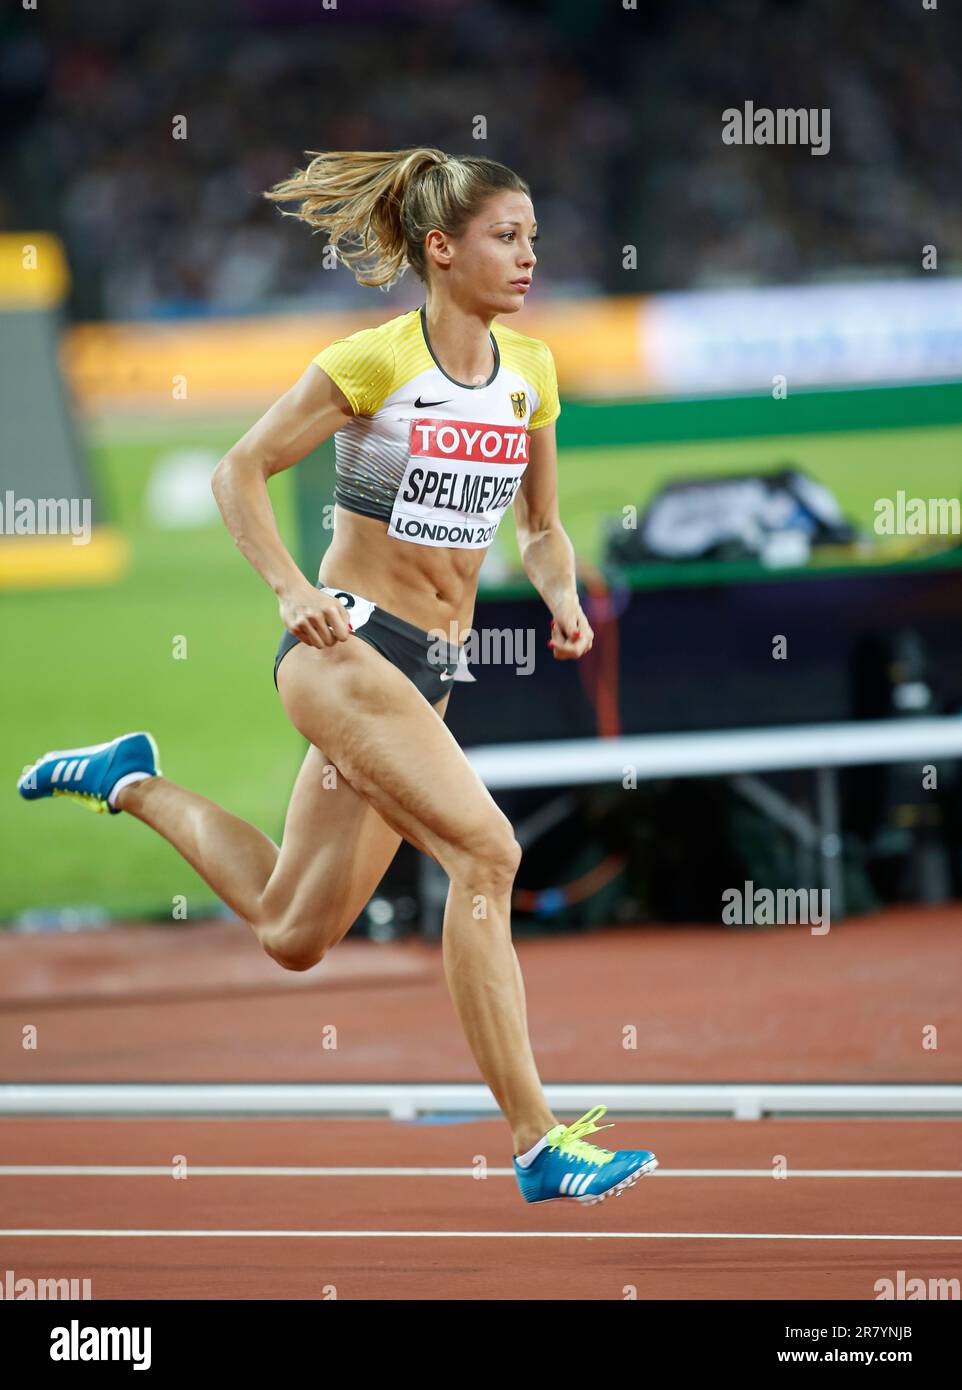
x: 442, y: 420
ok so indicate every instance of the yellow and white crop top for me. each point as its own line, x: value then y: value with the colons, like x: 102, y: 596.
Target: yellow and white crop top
x: 440, y: 462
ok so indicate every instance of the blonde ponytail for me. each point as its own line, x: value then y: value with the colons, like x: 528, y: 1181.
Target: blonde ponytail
x: 377, y: 206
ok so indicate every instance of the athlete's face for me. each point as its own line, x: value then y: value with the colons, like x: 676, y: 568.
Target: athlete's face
x: 491, y: 264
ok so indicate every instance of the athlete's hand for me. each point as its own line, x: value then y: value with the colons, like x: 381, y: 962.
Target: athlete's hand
x: 571, y: 634
x: 316, y: 619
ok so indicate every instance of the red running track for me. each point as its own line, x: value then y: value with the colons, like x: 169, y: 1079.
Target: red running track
x: 441, y: 1253
x: 872, y: 1001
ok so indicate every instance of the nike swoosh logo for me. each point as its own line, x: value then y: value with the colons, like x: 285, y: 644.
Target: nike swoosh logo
x: 422, y: 405
x: 445, y: 675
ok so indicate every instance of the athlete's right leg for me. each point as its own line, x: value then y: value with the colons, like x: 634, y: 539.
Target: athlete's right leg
x: 299, y: 899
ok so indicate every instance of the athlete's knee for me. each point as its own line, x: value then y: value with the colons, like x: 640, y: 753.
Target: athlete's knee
x: 295, y: 957
x: 294, y: 948
x: 492, y: 860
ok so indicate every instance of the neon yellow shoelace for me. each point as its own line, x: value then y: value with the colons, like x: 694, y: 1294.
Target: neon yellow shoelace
x: 572, y: 1142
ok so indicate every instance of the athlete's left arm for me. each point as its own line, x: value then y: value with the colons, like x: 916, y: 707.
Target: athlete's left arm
x: 546, y: 550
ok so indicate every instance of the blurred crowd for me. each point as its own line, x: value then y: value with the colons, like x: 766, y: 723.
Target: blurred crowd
x: 613, y: 115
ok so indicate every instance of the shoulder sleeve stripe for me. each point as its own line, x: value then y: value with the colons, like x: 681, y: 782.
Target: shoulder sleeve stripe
x: 373, y: 363
x: 546, y: 381
x: 362, y: 366
x: 411, y: 356
x: 533, y: 359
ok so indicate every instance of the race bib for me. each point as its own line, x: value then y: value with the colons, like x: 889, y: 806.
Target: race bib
x: 359, y: 608
x: 460, y: 479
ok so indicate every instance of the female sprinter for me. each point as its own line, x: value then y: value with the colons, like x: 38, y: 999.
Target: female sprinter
x: 442, y: 421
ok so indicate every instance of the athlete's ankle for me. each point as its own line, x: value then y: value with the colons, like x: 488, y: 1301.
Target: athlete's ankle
x: 525, y: 1139
x: 131, y: 793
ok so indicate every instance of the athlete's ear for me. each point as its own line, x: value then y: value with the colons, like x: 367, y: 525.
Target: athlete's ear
x: 437, y: 247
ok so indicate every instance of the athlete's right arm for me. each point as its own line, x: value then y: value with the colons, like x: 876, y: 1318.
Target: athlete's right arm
x: 310, y: 412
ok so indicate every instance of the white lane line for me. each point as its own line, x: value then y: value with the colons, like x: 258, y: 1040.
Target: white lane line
x: 99, y: 1170
x: 456, y: 1235
x: 745, y: 1101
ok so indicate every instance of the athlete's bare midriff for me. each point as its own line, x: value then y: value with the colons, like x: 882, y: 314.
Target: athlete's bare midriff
x: 430, y: 586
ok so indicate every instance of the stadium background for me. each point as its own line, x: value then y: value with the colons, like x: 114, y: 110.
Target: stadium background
x: 333, y: 1121
x: 176, y: 271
